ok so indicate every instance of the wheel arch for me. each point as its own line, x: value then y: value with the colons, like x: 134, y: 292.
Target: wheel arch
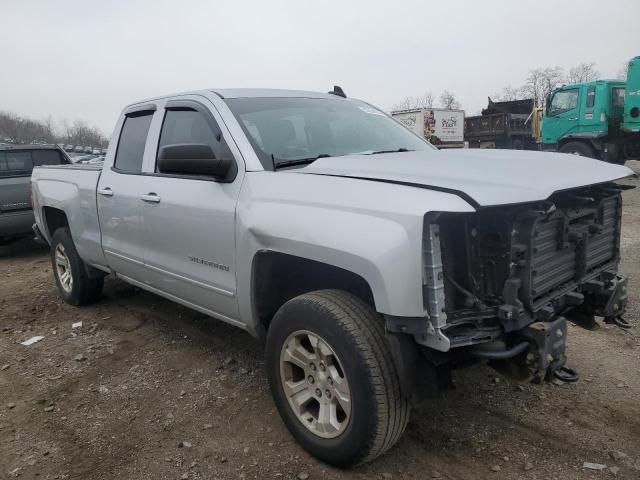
x: 54, y: 218
x: 595, y: 144
x: 277, y: 277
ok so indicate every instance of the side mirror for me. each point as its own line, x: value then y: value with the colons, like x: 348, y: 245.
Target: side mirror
x: 192, y: 159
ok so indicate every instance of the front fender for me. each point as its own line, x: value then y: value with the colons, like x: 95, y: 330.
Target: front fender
x: 369, y: 228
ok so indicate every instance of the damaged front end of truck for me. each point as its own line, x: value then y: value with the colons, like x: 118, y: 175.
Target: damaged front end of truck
x: 501, y: 283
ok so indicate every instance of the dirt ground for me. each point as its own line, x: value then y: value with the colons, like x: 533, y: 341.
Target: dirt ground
x: 146, y: 389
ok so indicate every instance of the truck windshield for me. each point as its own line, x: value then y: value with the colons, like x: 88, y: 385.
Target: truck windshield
x: 296, y: 131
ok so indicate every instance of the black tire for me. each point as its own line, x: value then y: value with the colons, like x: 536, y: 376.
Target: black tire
x: 517, y: 144
x: 355, y: 332
x: 578, y: 148
x: 83, y: 290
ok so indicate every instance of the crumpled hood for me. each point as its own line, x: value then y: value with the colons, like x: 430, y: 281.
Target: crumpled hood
x: 484, y: 177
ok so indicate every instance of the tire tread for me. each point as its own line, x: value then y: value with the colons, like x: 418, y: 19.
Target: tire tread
x: 367, y: 328
x: 87, y: 290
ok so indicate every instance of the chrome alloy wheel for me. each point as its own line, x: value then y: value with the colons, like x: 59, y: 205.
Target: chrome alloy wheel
x: 315, y: 384
x: 63, y: 268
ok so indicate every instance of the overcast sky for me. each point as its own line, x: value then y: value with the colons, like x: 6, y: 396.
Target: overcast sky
x: 88, y: 58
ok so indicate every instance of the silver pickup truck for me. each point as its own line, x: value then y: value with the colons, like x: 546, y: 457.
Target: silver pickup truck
x: 369, y: 262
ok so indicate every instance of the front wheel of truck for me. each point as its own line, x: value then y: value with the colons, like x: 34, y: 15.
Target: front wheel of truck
x: 333, y: 379
x: 71, y: 273
x: 578, y: 148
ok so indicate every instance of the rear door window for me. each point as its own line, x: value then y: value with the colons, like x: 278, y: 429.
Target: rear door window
x: 21, y: 162
x: 133, y: 138
x: 15, y: 163
x: 46, y: 157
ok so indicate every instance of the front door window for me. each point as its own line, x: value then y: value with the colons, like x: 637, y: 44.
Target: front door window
x: 563, y: 101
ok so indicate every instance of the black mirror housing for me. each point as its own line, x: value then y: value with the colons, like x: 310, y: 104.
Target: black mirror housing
x: 192, y: 159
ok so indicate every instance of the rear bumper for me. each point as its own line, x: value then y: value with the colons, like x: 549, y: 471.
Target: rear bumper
x: 15, y: 224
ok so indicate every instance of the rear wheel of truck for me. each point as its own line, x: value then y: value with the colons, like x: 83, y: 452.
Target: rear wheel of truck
x: 517, y: 144
x: 70, y: 272
x: 578, y: 148
x: 333, y: 378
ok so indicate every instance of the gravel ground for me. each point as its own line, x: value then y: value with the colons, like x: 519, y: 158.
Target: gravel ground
x: 146, y: 389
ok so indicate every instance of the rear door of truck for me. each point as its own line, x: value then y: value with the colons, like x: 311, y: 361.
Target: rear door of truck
x: 119, y: 190
x: 15, y: 170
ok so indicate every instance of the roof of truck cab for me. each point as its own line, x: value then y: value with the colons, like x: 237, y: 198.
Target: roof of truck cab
x: 611, y: 81
x: 227, y: 93
x: 35, y: 146
x: 267, y: 92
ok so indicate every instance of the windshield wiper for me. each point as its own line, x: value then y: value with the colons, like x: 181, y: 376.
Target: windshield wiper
x: 297, y: 161
x: 401, y: 149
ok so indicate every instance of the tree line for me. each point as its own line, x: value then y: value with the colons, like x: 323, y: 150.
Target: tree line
x: 19, y: 129
x: 542, y: 80
x: 538, y: 84
x: 447, y: 100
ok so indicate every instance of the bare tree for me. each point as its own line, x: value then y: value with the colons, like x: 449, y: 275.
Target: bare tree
x: 541, y: 81
x: 448, y: 101
x: 621, y: 74
x: 410, y: 103
x: 406, y: 104
x: 23, y: 130
x: 425, y: 101
x: 583, y: 72
x: 80, y: 133
x: 10, y: 127
x: 508, y: 94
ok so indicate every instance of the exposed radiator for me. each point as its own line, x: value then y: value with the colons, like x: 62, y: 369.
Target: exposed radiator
x: 567, y: 245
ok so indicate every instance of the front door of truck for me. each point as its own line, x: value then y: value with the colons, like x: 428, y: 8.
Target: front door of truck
x: 188, y: 222
x: 119, y: 189
x: 562, y: 115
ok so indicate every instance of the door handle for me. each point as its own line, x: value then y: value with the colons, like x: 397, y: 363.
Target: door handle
x: 106, y: 192
x: 572, y: 118
x: 151, y: 198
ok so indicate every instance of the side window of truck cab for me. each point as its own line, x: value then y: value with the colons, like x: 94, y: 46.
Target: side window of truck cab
x: 591, y: 96
x: 133, y: 137
x: 185, y: 125
x: 563, y: 101
x: 15, y: 163
x: 191, y: 144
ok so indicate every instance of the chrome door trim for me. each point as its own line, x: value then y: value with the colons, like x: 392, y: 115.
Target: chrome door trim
x: 207, y: 286
x: 123, y: 257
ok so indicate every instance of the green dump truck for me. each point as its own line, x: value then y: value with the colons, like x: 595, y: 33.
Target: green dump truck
x: 598, y: 119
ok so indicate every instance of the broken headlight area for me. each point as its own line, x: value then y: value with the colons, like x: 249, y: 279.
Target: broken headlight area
x: 501, y: 281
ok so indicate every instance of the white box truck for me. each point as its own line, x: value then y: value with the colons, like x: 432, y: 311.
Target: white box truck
x: 443, y: 128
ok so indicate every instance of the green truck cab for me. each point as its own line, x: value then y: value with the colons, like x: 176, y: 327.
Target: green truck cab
x: 598, y: 119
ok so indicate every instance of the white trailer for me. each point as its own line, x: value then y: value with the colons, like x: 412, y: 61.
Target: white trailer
x: 443, y: 128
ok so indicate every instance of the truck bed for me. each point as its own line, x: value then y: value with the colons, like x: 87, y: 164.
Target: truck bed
x: 72, y: 188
